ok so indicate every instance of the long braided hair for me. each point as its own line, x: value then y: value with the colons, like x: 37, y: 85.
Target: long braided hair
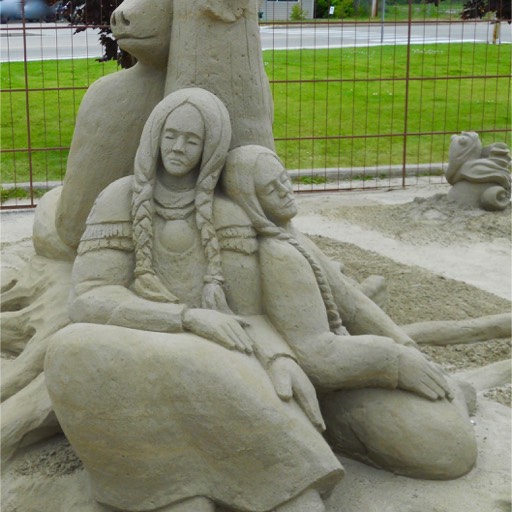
x: 217, y: 138
x: 238, y: 181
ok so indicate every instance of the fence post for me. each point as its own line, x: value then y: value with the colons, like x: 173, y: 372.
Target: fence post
x: 407, y: 82
x: 27, y: 105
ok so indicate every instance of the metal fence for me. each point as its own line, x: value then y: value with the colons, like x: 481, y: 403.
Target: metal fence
x: 359, y: 103
x: 385, y: 104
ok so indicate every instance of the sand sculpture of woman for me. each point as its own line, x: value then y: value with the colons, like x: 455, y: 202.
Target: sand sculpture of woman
x: 383, y: 403
x: 158, y: 390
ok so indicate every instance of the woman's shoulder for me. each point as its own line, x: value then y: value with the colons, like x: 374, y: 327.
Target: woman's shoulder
x: 114, y: 203
x: 227, y: 213
x: 109, y: 224
x: 234, y: 228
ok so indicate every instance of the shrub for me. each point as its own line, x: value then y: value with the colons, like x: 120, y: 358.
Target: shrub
x: 297, y: 13
x: 321, y: 9
x: 345, y: 9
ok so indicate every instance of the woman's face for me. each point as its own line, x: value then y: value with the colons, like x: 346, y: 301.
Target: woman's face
x: 274, y: 190
x: 181, y: 144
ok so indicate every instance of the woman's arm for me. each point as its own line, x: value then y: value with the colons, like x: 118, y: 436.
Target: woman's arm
x: 359, y: 313
x: 294, y: 305
x: 101, y: 294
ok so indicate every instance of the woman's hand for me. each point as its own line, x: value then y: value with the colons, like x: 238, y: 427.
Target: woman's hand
x: 418, y: 375
x: 290, y: 381
x: 226, y: 330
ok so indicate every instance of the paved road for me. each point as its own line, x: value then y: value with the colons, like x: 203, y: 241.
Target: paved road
x: 375, y: 35
x: 46, y: 41
x: 56, y: 41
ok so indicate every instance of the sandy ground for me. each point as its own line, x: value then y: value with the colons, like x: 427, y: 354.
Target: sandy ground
x: 418, y: 227
x: 440, y: 262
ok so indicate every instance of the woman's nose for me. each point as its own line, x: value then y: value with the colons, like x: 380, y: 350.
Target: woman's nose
x: 282, y: 190
x: 179, y: 145
x: 119, y: 17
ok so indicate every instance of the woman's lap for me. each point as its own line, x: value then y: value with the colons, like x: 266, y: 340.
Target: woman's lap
x: 141, y: 408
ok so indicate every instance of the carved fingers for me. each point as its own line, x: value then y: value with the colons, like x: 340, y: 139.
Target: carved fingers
x: 418, y: 375
x: 226, y: 330
x: 290, y: 381
x: 214, y: 298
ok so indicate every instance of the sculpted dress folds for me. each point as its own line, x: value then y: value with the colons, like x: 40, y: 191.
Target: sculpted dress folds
x: 162, y: 393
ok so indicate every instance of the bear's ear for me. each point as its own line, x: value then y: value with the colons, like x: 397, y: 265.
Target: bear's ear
x: 225, y: 10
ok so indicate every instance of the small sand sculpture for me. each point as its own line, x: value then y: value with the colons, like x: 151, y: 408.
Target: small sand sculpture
x: 480, y: 176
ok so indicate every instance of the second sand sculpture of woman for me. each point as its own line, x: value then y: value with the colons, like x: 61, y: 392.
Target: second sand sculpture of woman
x: 383, y: 402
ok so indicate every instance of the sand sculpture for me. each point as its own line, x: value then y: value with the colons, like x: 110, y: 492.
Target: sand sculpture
x: 480, y: 175
x: 206, y: 345
x: 201, y: 47
x: 117, y: 105
x: 149, y: 281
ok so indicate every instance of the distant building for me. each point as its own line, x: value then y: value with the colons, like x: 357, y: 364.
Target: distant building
x: 280, y: 10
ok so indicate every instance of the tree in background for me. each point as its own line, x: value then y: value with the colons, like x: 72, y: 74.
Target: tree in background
x: 322, y: 8
x: 471, y: 9
x: 297, y: 13
x: 98, y: 13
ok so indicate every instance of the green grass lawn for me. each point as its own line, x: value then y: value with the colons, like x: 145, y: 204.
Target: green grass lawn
x: 52, y: 113
x: 357, y: 92
x: 354, y: 103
